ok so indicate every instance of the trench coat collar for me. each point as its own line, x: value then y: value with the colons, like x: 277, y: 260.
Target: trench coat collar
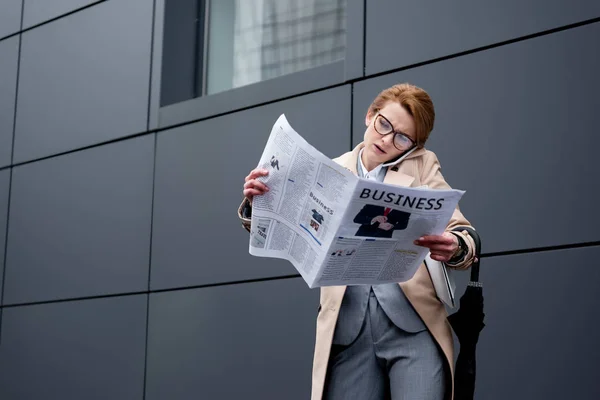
x: 393, y: 176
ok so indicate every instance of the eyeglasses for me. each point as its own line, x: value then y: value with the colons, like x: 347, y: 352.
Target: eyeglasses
x: 384, y: 127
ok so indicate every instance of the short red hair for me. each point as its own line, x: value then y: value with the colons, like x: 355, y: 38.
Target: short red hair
x: 415, y: 101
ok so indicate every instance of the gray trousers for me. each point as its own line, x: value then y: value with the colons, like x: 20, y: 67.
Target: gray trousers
x: 385, y: 362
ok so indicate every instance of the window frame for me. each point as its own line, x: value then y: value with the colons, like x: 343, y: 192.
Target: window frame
x: 328, y: 75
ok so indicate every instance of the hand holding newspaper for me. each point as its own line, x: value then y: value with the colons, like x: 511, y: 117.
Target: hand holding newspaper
x: 335, y: 228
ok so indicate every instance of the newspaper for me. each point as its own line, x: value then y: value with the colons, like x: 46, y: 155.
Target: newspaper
x: 334, y: 227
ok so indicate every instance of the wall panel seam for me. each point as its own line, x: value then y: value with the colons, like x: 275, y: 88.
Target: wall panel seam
x: 150, y: 94
x: 481, y: 49
x: 149, y: 267
x: 5, y: 244
x: 188, y: 122
x: 351, y: 115
x: 217, y: 115
x: 170, y: 127
x: 146, y: 346
x: 364, y: 41
x: 18, y: 77
x: 61, y: 16
x: 285, y: 277
x: 9, y: 36
x: 360, y: 79
x: 22, y: 17
x: 10, y: 175
x: 542, y: 249
x: 21, y: 30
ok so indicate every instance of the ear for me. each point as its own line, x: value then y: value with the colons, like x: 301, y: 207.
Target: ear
x: 368, y: 118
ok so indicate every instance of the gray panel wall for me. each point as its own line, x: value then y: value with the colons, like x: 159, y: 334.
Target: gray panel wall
x: 436, y: 28
x: 80, y: 224
x: 9, y: 53
x: 184, y: 237
x: 514, y: 129
x: 38, y: 11
x: 84, y: 79
x: 92, y: 349
x: 540, y: 341
x: 91, y: 222
x: 258, y: 337
x: 10, y: 17
x: 4, y: 187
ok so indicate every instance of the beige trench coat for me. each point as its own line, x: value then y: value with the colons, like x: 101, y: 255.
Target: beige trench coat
x: 419, y: 168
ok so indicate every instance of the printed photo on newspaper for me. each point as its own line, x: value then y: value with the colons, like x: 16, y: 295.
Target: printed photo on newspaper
x: 336, y: 228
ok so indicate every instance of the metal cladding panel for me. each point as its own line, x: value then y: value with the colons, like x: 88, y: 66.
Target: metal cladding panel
x: 402, y: 33
x: 80, y: 224
x: 250, y: 341
x: 200, y: 170
x: 515, y: 127
x: 84, y: 79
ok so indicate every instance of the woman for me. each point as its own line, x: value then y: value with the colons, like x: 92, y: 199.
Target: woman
x: 388, y: 341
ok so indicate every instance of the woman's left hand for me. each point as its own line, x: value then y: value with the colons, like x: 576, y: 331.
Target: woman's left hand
x: 442, y: 247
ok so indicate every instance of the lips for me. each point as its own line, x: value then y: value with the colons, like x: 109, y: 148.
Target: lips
x: 379, y: 149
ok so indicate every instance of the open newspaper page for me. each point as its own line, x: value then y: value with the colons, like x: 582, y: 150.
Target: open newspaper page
x: 374, y: 243
x: 298, y: 217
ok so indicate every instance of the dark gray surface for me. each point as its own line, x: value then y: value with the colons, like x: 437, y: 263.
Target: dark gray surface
x: 178, y: 67
x: 541, y: 334
x: 80, y: 224
x: 200, y: 171
x: 156, y: 67
x: 9, y: 55
x: 37, y: 11
x: 87, y: 70
x: 10, y: 16
x: 250, y: 95
x: 251, y: 341
x: 84, y: 79
x: 515, y: 129
x: 91, y: 350
x: 401, y: 33
x: 4, y: 187
x: 355, y: 40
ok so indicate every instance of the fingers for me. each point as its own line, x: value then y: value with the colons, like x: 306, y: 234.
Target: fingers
x: 435, y: 239
x: 254, y: 187
x: 445, y: 242
x: 255, y: 173
x: 254, y: 184
x: 443, y: 255
x: 440, y: 257
x: 442, y: 247
x: 249, y: 193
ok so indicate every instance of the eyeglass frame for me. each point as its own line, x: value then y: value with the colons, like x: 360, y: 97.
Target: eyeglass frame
x: 395, y: 132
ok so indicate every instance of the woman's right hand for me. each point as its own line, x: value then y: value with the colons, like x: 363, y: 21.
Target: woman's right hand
x: 254, y: 187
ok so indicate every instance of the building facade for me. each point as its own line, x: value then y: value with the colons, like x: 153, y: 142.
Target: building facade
x: 127, y: 128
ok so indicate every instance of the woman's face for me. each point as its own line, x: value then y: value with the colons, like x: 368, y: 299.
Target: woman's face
x: 380, y: 148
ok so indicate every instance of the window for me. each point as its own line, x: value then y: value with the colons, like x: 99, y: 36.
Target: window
x: 214, y: 46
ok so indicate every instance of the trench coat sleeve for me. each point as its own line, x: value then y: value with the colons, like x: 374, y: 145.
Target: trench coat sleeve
x: 431, y: 175
x: 245, y: 213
